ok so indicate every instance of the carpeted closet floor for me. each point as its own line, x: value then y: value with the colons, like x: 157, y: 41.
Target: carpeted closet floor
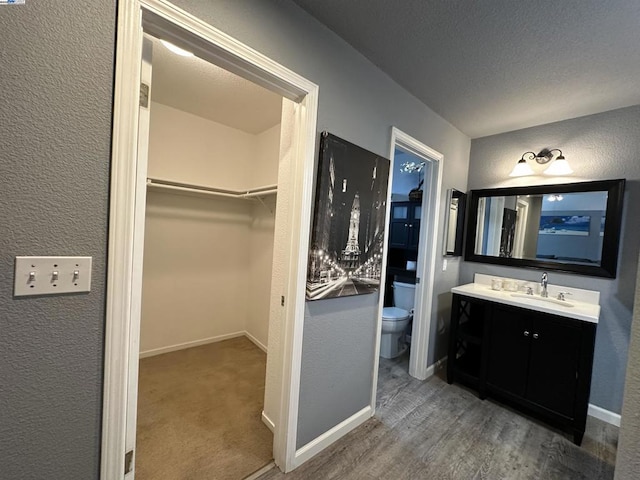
x: 199, y: 413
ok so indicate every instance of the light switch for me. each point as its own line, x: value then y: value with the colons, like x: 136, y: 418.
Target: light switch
x: 52, y: 275
x: 444, y: 265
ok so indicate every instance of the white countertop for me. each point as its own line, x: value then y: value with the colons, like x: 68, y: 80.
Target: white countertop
x: 580, y: 310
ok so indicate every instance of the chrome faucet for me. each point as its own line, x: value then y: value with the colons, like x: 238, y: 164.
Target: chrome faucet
x: 543, y: 283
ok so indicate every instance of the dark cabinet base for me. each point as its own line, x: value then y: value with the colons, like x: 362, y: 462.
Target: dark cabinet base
x: 535, y: 362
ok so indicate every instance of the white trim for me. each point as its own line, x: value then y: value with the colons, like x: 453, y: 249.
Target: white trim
x: 258, y: 473
x: 604, y: 415
x: 323, y: 441
x: 432, y: 369
x: 194, y: 343
x: 268, y: 422
x: 427, y: 252
x: 161, y: 18
x: 285, y: 436
x: 255, y: 341
x: 120, y: 258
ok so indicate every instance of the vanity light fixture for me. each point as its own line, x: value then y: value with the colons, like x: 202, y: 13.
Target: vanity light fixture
x: 176, y: 50
x: 558, y: 166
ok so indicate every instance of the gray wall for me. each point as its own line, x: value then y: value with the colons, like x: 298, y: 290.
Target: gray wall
x: 55, y: 113
x: 602, y: 146
x: 360, y: 104
x: 627, y: 458
x: 55, y: 99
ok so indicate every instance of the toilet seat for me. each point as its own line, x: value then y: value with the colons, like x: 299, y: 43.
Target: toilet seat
x: 394, y: 314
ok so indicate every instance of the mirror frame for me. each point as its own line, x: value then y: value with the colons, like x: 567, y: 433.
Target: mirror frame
x: 462, y: 206
x: 610, y: 244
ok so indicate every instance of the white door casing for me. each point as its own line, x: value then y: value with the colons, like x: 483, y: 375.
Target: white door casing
x: 126, y: 218
x: 427, y: 253
x: 144, y: 117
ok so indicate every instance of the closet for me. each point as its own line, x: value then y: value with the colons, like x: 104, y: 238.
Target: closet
x: 211, y: 194
x: 214, y: 149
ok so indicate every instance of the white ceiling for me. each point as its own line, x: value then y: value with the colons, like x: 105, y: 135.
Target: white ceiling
x: 193, y: 85
x: 491, y: 66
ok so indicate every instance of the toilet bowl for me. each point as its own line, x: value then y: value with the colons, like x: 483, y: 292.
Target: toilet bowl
x: 396, y: 319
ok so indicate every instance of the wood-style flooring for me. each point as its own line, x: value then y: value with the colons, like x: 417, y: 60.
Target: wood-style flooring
x: 435, y: 431
x: 199, y: 413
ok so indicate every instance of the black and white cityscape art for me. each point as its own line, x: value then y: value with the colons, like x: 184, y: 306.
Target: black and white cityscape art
x: 347, y: 239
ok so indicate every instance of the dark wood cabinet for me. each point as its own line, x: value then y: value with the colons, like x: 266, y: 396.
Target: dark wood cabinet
x: 404, y: 230
x: 536, y: 361
x: 404, y: 235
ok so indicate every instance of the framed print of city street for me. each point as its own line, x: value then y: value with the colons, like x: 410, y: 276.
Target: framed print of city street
x: 347, y: 239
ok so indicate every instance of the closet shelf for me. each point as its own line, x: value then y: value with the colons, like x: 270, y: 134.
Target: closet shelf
x: 155, y: 183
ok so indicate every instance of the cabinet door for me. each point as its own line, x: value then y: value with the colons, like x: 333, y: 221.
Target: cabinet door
x: 399, y: 234
x: 414, y: 234
x: 508, y: 351
x: 555, y: 350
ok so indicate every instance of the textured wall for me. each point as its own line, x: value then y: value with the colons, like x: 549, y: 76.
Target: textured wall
x: 360, y: 104
x: 598, y: 147
x: 196, y: 269
x: 55, y: 112
x: 627, y: 459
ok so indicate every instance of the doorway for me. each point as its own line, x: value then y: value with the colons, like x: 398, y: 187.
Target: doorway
x: 212, y: 172
x: 127, y: 215
x: 410, y: 255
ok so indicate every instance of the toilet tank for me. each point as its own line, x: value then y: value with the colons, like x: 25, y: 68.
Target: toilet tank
x: 404, y: 295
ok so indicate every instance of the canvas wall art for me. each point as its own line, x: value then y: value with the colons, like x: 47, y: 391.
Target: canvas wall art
x: 347, y: 236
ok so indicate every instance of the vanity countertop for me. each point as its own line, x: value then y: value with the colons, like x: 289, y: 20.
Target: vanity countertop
x: 580, y: 310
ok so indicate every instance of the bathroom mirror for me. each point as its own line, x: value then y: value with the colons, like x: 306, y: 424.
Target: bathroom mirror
x: 454, y: 222
x: 571, y: 227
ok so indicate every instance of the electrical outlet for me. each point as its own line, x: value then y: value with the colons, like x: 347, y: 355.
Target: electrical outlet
x: 444, y: 265
x: 52, y: 275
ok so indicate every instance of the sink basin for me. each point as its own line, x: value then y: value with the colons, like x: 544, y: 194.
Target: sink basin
x: 555, y: 301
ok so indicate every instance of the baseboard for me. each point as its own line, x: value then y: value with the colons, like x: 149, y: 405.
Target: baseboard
x: 435, y: 367
x: 257, y: 342
x: 323, y: 441
x: 604, y: 415
x: 258, y: 473
x: 267, y: 421
x: 195, y: 343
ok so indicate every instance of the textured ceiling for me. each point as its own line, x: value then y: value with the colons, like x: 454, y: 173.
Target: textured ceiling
x: 491, y: 66
x: 193, y: 85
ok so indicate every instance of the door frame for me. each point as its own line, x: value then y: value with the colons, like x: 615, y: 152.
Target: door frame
x: 427, y: 254
x: 161, y: 18
x: 522, y: 207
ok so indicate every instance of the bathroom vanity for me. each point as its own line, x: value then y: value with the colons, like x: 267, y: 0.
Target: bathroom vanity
x: 534, y: 353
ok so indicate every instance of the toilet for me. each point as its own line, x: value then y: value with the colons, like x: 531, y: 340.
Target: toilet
x: 396, y: 319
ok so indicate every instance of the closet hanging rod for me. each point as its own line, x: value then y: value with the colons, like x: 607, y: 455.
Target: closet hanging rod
x: 185, y: 187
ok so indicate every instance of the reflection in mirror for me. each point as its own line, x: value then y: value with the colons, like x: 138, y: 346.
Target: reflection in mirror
x: 568, y: 227
x: 454, y: 223
x: 556, y: 227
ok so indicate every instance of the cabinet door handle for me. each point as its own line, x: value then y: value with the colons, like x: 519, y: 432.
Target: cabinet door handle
x: 406, y: 224
x: 526, y: 333
x: 536, y: 336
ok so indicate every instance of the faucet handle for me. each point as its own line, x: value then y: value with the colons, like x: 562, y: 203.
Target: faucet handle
x: 529, y: 291
x: 562, y: 294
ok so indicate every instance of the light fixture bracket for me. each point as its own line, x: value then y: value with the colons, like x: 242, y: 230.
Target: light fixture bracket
x: 545, y: 155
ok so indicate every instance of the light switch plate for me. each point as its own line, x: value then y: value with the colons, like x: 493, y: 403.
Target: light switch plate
x: 52, y: 275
